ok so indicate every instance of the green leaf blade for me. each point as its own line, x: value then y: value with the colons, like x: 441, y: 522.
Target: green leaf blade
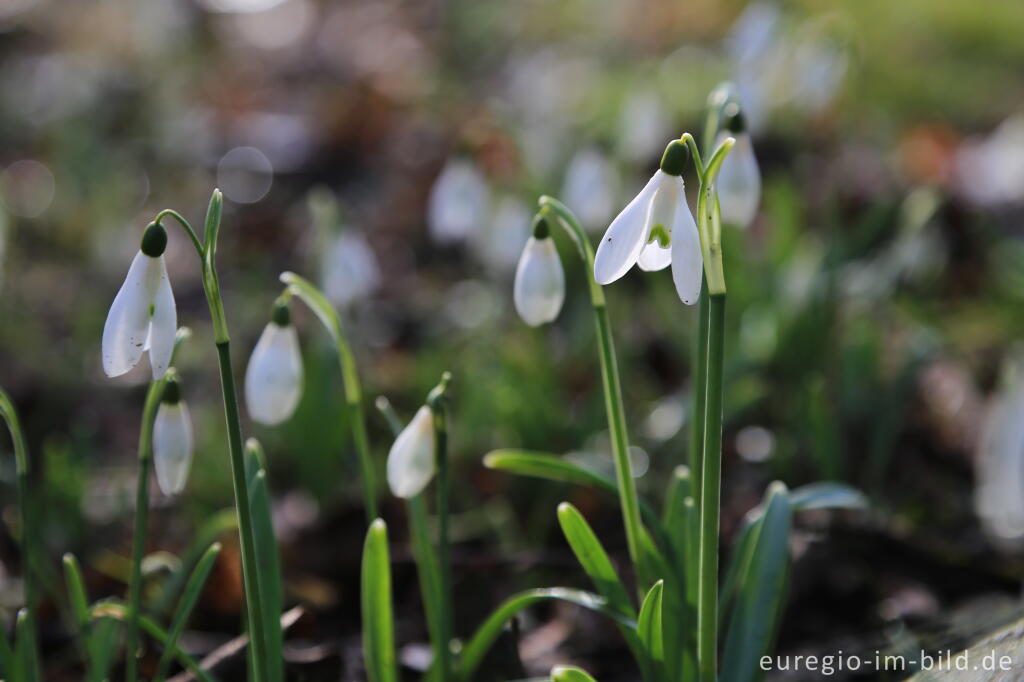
x: 378, y: 621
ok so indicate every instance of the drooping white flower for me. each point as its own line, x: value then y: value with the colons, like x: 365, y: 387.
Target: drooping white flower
x: 655, y: 229
x: 458, y: 202
x: 642, y: 126
x: 539, y: 289
x: 172, y: 441
x: 999, y: 490
x: 412, y: 460
x: 590, y: 187
x: 739, y: 180
x: 349, y: 269
x: 273, y: 379
x: 498, y: 245
x: 143, y: 316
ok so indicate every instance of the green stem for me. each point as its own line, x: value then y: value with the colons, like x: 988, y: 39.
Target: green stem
x: 697, y: 402
x: 145, y: 453
x: 254, y: 606
x: 612, y: 391
x: 328, y: 316
x: 437, y: 402
x: 29, y: 537
x: 707, y: 605
x: 207, y: 251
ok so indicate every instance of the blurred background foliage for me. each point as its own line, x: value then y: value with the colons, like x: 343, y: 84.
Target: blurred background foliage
x: 871, y: 308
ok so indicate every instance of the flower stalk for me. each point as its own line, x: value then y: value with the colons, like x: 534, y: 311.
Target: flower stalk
x: 316, y: 301
x: 145, y: 455
x: 28, y: 528
x: 553, y: 209
x: 207, y: 251
x: 437, y: 401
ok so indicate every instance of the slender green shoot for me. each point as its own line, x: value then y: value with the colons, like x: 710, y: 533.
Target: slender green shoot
x: 193, y: 589
x: 317, y: 302
x: 378, y: 623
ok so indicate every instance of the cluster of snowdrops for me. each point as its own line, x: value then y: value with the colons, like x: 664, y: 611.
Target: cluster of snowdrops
x: 669, y: 605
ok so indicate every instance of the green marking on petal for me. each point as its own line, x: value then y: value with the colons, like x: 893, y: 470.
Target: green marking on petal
x: 661, y: 233
x: 152, y: 309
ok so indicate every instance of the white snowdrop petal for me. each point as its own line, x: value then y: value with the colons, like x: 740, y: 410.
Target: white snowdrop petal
x: 458, y: 202
x: 127, y: 326
x: 349, y: 269
x: 273, y: 379
x: 412, y: 460
x: 539, y: 288
x: 654, y: 256
x: 625, y: 238
x: 172, y: 447
x: 164, y: 321
x: 739, y: 183
x: 687, y: 259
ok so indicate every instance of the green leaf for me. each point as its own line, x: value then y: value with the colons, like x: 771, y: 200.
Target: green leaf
x: 649, y: 626
x: 77, y: 596
x: 568, y: 673
x: 827, y: 495
x: 8, y: 667
x: 594, y: 559
x: 475, y: 649
x: 378, y: 624
x: 112, y: 609
x: 555, y: 468
x: 95, y: 639
x: 268, y: 562
x: 193, y: 589
x: 598, y: 567
x: 761, y: 591
x: 24, y: 647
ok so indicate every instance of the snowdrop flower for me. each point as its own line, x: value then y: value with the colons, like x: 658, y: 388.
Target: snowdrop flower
x: 739, y: 181
x: 539, y: 289
x: 655, y: 229
x: 642, y: 126
x: 590, y: 187
x: 273, y: 379
x: 498, y: 246
x: 412, y: 460
x: 458, y: 202
x: 172, y: 440
x: 142, y: 317
x: 349, y: 269
x: 999, y: 491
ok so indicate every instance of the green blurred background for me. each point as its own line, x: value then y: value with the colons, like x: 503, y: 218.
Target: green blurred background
x: 874, y: 305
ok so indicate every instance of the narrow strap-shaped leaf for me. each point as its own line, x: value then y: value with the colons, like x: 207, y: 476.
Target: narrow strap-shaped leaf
x: 378, y: 620
x: 598, y: 567
x: 476, y: 647
x: 7, y: 661
x: 118, y: 611
x: 268, y: 562
x: 568, y: 673
x: 193, y: 589
x: 555, y: 468
x: 761, y: 593
x: 827, y: 495
x: 594, y: 560
x: 24, y: 647
x: 649, y: 627
x: 77, y: 595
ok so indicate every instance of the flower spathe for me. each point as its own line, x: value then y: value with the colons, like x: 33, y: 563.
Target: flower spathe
x: 412, y: 461
x: 273, y: 379
x: 143, y: 315
x: 654, y: 230
x: 539, y: 288
x: 172, y: 446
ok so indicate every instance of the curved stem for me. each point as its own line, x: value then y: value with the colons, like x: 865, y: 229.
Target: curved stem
x: 612, y: 390
x: 28, y: 529
x: 328, y: 316
x: 167, y: 212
